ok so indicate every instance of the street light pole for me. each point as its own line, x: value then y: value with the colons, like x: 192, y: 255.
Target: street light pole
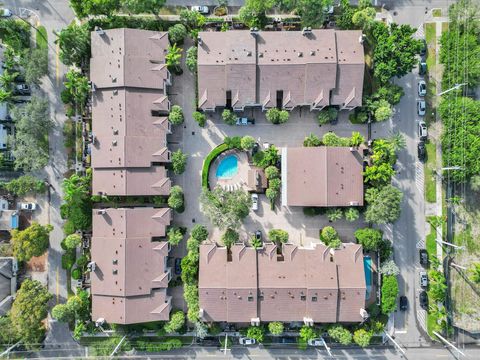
x: 225, y: 349
x: 457, y: 86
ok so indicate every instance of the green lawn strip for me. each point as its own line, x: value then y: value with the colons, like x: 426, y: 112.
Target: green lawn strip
x: 444, y: 27
x: 437, y: 12
x: 431, y: 323
x: 430, y: 242
x: 430, y: 183
x: 42, y: 38
x: 431, y: 39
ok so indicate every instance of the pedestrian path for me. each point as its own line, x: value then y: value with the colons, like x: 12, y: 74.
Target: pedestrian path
x: 420, y: 177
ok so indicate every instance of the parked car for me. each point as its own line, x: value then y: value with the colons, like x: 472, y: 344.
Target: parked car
x: 245, y: 121
x: 423, y: 257
x: 423, y: 50
x: 246, y: 341
x: 423, y: 299
x: 202, y: 9
x: 422, y: 88
x: 5, y: 13
x: 403, y: 303
x: 178, y: 266
x: 21, y: 89
x: 316, y: 342
x: 30, y: 206
x: 258, y: 235
x: 422, y: 67
x: 421, y: 106
x: 422, y: 130
x: 254, y: 202
x: 423, y: 279
x: 421, y: 151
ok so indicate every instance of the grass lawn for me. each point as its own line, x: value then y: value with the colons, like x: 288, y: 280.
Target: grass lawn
x: 431, y: 39
x: 430, y: 165
x: 42, y: 38
x: 444, y: 27
x: 437, y: 12
x: 430, y: 243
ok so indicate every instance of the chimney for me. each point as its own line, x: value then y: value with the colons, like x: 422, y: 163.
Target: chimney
x: 200, y: 41
x: 306, y: 31
x: 101, y: 212
x: 361, y: 39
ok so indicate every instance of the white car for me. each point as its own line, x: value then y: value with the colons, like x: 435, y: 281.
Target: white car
x: 422, y: 88
x: 422, y: 130
x: 316, y: 342
x: 246, y: 341
x: 5, y: 13
x: 423, y: 279
x: 28, y: 206
x: 421, y: 107
x: 202, y: 9
x: 254, y: 202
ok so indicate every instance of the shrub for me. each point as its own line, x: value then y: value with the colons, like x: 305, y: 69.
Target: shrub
x: 176, y: 199
x: 174, y: 235
x: 247, y: 142
x: 352, y: 214
x: 362, y: 337
x: 176, y: 115
x: 72, y: 241
x: 200, y: 118
x: 191, y: 59
x: 230, y: 237
x: 24, y: 185
x: 327, y: 115
x: 369, y: 238
x: 177, y: 33
x: 179, y: 162
x: 389, y: 268
x: 312, y: 140
x: 229, y: 117
x: 234, y: 142
x: 177, y: 320
x: 82, y: 261
x: 208, y: 160
x: 76, y: 274
x: 340, y: 334
x: 275, y: 328
x: 276, y: 116
x: 62, y: 313
x: 166, y: 345
x: 214, y: 329
x: 68, y: 260
x: 334, y: 214
x: 256, y: 332
x: 389, y: 294
x: 307, y: 333
x: 278, y: 236
x: 199, y: 232
x: 331, y: 139
x: 329, y: 237
x: 272, y: 172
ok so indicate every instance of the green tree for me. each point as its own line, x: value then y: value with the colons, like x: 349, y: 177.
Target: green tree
x: 77, y: 85
x: 25, y: 184
x: 383, y: 152
x: 334, y: 214
x: 7, y: 78
x: 176, y: 115
x: 272, y: 172
x: 72, y: 241
x: 344, y: 18
x: 383, y: 111
x: 357, y: 139
x: 275, y: 184
x: 192, y: 19
x: 225, y: 209
x: 331, y: 139
x: 179, y: 162
x: 177, y: 320
x: 191, y: 59
x: 267, y: 157
x: 389, y: 294
x: 200, y: 118
x: 62, y: 313
x: 247, y: 142
x: 437, y: 287
x: 5, y: 95
x: 278, y: 236
x: 8, y: 333
x: 229, y: 117
x: 30, y: 144
x: 389, y: 268
x: 84, y: 8
x: 29, y: 310
x: 256, y: 332
x: 395, y: 50
x: 174, y: 235
x: 397, y: 140
x: 276, y: 116
x: 177, y: 33
x: 307, y: 333
x: 362, y: 337
x: 271, y: 194
x: 173, y: 58
x: 33, y: 241
x: 253, y: 13
x: 74, y: 44
x: 352, y: 214
x: 340, y: 334
x: 78, y: 331
x: 312, y: 12
x: 364, y: 18
x: 199, y: 232
x: 378, y: 175
x: 36, y: 66
x: 143, y: 6
x: 175, y: 200
x: 312, y: 140
x: 230, y: 237
x: 329, y: 237
x: 275, y: 328
x: 369, y: 238
x: 383, y: 204
x: 201, y: 330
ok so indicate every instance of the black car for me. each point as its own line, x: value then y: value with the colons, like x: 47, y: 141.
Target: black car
x: 422, y: 68
x: 258, y: 235
x: 422, y: 151
x: 178, y: 266
x: 423, y: 50
x: 403, y: 303
x: 423, y: 298
x: 423, y: 257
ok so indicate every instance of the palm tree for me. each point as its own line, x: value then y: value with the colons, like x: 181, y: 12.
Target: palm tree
x: 7, y: 78
x: 173, y: 58
x: 5, y: 95
x: 397, y: 140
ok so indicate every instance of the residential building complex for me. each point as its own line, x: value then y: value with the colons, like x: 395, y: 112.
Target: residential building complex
x: 291, y: 284
x: 322, y: 176
x: 287, y: 69
x: 129, y: 109
x: 129, y: 272
x: 8, y: 283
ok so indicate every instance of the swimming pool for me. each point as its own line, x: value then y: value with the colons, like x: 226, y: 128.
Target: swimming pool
x: 367, y: 266
x: 228, y: 167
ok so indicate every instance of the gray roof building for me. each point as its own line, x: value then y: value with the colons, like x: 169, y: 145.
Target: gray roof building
x: 8, y: 283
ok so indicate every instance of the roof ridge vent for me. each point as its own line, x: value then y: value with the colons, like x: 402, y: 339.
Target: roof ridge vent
x: 300, y: 54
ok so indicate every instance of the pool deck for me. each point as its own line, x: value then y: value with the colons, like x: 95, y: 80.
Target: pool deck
x: 239, y: 180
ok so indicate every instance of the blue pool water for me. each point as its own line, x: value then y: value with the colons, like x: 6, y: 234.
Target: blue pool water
x: 227, y: 168
x: 367, y: 265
